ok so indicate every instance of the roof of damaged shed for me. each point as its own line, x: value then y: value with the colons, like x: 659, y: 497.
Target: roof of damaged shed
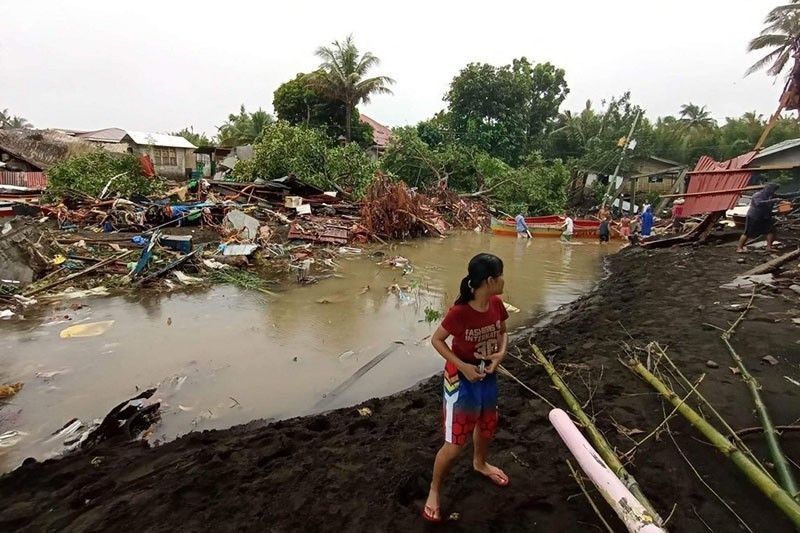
x: 159, y: 139
x: 41, y: 148
x: 710, y: 176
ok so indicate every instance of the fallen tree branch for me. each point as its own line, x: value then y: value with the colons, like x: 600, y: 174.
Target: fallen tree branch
x: 77, y: 274
x: 487, y: 191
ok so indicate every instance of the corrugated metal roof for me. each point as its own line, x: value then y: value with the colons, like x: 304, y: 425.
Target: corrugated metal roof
x: 779, y: 147
x: 716, y: 181
x: 159, y: 139
x: 106, y: 135
x: 33, y: 180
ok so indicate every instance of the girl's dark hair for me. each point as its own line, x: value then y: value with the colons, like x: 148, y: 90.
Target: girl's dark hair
x: 480, y: 267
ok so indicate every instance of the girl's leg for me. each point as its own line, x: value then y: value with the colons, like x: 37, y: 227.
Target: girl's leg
x: 481, y: 444
x: 445, y: 458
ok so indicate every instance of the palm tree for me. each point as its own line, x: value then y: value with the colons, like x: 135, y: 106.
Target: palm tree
x: 782, y: 35
x: 18, y: 123
x: 342, y: 77
x: 696, y: 117
x: 4, y: 118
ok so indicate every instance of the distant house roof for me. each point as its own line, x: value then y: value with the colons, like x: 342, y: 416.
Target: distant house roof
x: 381, y: 134
x: 41, y: 148
x: 107, y: 135
x: 159, y: 139
x: 666, y: 161
x: 115, y: 135
x: 776, y: 148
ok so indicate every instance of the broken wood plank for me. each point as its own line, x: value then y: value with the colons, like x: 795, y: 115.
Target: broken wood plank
x: 771, y: 265
x: 77, y: 274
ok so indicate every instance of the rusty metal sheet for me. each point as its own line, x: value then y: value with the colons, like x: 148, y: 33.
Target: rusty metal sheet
x: 33, y: 180
x: 720, y: 176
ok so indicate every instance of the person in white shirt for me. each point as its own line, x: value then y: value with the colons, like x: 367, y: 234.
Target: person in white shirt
x: 568, y: 227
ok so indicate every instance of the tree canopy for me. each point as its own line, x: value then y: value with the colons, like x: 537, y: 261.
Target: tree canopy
x: 506, y: 110
x: 7, y: 121
x: 243, y: 128
x: 196, y: 138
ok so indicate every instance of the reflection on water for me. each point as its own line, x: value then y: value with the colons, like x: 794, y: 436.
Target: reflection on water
x: 244, y: 357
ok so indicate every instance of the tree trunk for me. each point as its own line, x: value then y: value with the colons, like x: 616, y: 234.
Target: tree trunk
x: 348, y: 113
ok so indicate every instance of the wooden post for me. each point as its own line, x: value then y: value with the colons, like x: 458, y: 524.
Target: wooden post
x: 619, y: 163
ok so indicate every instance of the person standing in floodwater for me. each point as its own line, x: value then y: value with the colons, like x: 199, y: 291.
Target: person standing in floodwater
x: 569, y: 228
x: 522, y: 227
x: 647, y: 220
x: 477, y: 323
x: 604, y: 231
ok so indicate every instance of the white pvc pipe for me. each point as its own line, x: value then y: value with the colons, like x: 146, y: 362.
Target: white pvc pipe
x: 632, y: 513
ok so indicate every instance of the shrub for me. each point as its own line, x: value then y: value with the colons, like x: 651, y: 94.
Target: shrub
x: 90, y: 172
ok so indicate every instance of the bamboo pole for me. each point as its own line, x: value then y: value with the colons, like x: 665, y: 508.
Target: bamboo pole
x: 597, y: 438
x: 785, y: 477
x: 757, y: 477
x: 773, y: 264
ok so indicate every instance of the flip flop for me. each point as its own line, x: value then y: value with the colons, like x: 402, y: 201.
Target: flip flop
x: 497, y: 479
x: 429, y: 516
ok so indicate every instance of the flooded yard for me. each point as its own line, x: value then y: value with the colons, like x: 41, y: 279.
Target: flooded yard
x: 223, y: 357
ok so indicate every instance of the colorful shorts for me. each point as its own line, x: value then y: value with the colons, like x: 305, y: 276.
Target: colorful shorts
x: 467, y: 405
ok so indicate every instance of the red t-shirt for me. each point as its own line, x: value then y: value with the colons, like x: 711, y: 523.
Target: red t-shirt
x: 475, y: 334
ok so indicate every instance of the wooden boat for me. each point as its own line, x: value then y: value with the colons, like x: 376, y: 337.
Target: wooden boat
x: 549, y: 226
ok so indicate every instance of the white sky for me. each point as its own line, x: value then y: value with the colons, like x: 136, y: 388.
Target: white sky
x: 160, y: 66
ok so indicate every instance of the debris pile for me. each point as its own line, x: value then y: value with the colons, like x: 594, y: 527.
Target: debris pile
x: 249, y: 234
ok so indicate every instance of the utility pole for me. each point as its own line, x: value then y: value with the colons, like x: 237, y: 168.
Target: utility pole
x: 611, y: 184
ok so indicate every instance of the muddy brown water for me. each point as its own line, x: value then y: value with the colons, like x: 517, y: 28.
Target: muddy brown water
x: 224, y: 356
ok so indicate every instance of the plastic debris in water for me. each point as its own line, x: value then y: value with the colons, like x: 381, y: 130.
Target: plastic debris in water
x: 10, y: 438
x: 91, y: 329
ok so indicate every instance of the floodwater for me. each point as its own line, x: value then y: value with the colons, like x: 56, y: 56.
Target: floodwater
x: 223, y: 356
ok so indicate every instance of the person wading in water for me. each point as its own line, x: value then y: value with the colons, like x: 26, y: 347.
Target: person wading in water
x: 477, y: 323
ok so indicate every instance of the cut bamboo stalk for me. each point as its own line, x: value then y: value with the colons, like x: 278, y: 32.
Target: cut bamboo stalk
x: 597, y: 438
x: 757, y: 477
x: 785, y: 477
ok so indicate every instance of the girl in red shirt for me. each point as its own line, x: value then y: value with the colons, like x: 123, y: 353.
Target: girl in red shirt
x: 477, y: 323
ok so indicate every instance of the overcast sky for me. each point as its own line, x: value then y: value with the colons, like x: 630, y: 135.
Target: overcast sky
x: 160, y: 66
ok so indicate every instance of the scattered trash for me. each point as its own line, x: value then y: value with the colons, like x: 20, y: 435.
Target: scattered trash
x: 179, y: 243
x: 6, y: 391
x: 346, y: 355
x: 365, y: 411
x: 66, y: 430
x: 6, y: 228
x: 91, y: 329
x: 10, y: 438
x: 510, y: 308
x: 742, y: 282
x: 186, y: 279
x: 169, y: 320
x: 795, y: 288
x: 239, y: 249
x: 712, y: 364
x: 734, y: 370
x: 184, y: 409
x: 59, y: 259
x: 770, y: 360
x: 213, y: 265
x: 5, y: 314
x: 792, y: 381
x: 348, y: 250
x: 244, y: 224
x: 51, y: 374
x: 72, y: 293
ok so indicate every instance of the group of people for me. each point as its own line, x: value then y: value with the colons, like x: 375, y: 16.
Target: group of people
x: 627, y: 226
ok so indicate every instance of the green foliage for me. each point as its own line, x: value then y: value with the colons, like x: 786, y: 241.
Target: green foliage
x: 538, y: 187
x: 780, y: 37
x: 310, y: 155
x: 197, y: 139
x: 504, y: 111
x: 342, y: 77
x: 433, y: 315
x: 300, y: 102
x: 88, y: 173
x: 244, y: 128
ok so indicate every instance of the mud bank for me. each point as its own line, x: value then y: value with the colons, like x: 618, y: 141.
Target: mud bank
x: 345, y: 472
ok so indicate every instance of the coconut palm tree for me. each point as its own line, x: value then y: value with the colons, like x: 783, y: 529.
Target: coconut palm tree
x: 342, y: 77
x: 696, y: 117
x: 781, y: 35
x: 16, y: 122
x: 5, y: 117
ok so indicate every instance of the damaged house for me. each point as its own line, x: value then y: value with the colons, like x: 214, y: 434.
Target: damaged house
x: 172, y: 155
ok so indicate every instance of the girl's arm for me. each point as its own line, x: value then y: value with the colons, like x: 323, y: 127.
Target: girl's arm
x: 471, y: 372
x: 497, y: 357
